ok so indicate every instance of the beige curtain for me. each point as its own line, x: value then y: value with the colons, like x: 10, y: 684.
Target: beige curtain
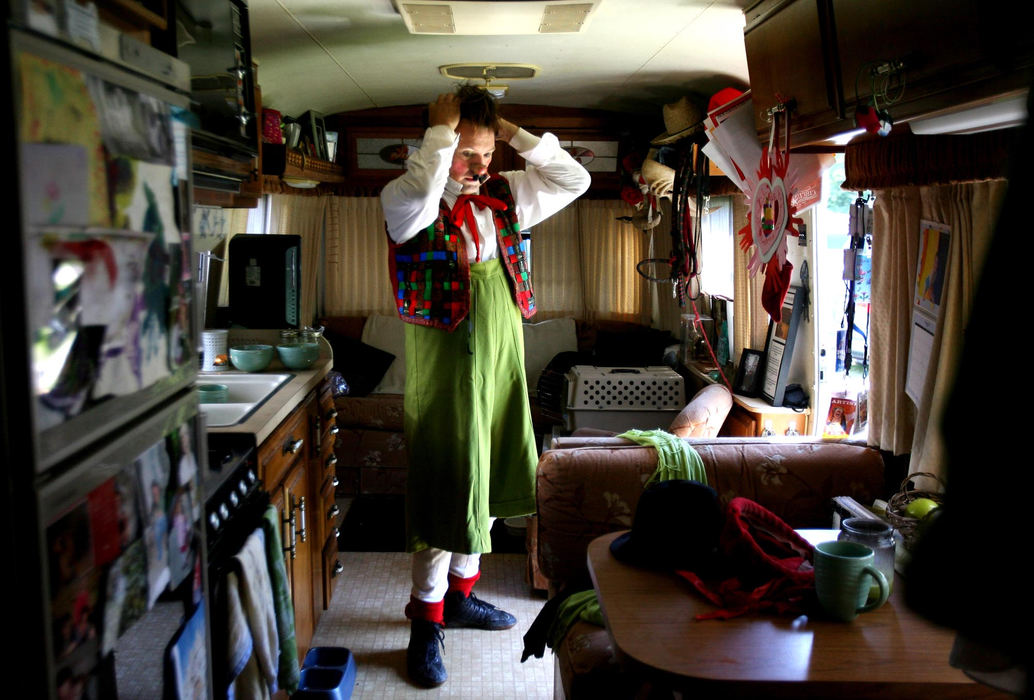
x: 970, y: 210
x: 303, y: 216
x: 750, y: 321
x: 600, y: 251
x: 356, y: 267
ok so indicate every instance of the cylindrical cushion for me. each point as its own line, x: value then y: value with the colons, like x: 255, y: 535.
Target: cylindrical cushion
x: 705, y: 413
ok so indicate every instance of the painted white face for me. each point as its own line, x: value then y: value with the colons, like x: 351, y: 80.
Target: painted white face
x: 472, y: 156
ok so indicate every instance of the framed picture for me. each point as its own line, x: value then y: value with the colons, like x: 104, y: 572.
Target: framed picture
x: 779, y: 346
x: 748, y: 374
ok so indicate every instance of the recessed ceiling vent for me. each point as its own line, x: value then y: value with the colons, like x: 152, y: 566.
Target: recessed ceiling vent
x: 487, y: 17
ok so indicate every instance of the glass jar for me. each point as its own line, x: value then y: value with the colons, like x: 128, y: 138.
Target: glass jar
x: 878, y: 536
x: 311, y: 335
x: 289, y: 337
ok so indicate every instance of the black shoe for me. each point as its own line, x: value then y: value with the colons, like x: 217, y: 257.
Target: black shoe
x: 424, y: 657
x: 474, y: 612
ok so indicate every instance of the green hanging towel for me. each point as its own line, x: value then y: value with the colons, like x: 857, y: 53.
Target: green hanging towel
x: 676, y: 458
x: 288, y: 676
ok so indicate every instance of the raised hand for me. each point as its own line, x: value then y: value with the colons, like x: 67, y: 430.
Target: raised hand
x: 445, y: 111
x: 504, y: 130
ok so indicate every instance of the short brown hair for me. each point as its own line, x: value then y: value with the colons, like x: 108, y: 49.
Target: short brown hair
x: 477, y: 106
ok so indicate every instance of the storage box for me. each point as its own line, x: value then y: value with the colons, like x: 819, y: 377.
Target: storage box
x: 619, y: 398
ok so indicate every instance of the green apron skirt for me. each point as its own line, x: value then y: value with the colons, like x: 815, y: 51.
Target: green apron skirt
x: 472, y: 451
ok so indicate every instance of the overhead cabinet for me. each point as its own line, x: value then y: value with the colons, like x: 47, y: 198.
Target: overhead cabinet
x: 827, y: 57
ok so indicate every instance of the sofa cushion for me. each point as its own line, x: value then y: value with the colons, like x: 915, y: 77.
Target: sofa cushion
x: 363, y: 366
x: 373, y: 412
x: 388, y: 333
x: 542, y: 342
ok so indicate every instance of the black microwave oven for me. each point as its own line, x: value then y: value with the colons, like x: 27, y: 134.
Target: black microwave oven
x: 213, y: 38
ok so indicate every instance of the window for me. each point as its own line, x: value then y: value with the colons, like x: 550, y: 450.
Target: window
x: 842, y: 368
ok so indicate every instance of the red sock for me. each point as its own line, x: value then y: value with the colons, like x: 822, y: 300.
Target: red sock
x: 463, y: 584
x: 432, y: 612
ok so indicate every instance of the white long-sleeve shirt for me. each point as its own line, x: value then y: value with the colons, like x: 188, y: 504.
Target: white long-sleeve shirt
x: 551, y: 181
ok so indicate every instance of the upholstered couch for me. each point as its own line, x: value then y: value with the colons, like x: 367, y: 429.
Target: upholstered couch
x: 369, y: 351
x: 588, y: 487
x: 702, y: 417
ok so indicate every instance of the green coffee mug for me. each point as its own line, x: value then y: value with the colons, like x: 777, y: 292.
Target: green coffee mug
x: 844, y: 573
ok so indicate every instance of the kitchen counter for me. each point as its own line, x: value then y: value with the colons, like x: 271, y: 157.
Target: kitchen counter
x: 265, y: 419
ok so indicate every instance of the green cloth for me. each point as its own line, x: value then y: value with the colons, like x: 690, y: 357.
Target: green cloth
x: 676, y: 459
x: 288, y: 674
x: 468, y: 422
x: 584, y: 606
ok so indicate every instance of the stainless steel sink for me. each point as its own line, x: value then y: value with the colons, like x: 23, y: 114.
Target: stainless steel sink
x: 246, y: 392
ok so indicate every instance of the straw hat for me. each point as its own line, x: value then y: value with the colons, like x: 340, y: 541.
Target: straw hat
x: 681, y: 119
x: 659, y: 177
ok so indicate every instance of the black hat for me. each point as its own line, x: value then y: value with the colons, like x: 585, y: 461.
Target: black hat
x: 676, y: 526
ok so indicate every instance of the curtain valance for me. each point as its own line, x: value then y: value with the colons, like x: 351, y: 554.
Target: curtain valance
x: 904, y: 159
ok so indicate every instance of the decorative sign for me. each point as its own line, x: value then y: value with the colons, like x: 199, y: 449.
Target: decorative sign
x: 385, y: 153
x: 771, y: 218
x: 594, y: 156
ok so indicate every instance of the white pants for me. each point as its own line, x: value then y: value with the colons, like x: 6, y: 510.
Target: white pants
x: 431, y: 569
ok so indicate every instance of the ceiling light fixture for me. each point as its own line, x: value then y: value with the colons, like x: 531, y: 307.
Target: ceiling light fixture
x: 489, y: 72
x: 495, y: 17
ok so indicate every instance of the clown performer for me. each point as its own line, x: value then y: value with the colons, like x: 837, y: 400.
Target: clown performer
x: 461, y: 282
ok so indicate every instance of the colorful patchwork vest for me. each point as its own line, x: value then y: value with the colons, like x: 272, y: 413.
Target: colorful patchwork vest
x: 430, y: 272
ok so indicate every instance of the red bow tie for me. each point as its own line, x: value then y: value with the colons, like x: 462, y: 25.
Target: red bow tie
x: 462, y: 211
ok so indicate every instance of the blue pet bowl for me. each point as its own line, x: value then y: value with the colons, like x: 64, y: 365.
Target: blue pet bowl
x: 323, y: 684
x: 328, y: 673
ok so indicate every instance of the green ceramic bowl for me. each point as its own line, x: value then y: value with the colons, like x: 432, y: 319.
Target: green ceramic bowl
x: 251, y: 358
x: 212, y: 393
x: 298, y: 356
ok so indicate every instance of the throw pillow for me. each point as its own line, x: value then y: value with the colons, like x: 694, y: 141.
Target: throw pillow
x: 388, y: 333
x: 542, y: 342
x: 362, y: 366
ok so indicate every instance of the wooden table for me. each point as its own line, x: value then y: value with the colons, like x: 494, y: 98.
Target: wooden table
x: 887, y: 653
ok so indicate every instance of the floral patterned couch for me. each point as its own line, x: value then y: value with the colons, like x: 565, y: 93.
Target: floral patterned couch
x: 588, y: 487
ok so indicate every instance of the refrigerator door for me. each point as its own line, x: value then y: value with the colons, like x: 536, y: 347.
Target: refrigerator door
x: 123, y: 542
x: 103, y: 170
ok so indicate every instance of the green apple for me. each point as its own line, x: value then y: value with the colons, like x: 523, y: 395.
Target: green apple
x: 921, y: 507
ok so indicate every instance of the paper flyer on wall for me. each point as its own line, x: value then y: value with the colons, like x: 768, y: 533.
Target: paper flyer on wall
x: 931, y: 272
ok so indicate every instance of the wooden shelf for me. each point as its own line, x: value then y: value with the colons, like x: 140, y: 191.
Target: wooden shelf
x: 301, y: 166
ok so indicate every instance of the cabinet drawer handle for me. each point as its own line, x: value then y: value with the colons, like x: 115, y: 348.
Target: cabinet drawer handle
x: 301, y: 509
x: 337, y: 532
x: 334, y: 482
x: 332, y: 461
x: 338, y: 568
x: 335, y: 430
x: 294, y: 447
x: 334, y: 510
x: 332, y: 414
x: 289, y: 535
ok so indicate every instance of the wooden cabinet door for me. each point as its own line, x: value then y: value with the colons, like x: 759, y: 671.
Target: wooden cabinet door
x: 739, y: 423
x: 791, y: 55
x: 298, y: 543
